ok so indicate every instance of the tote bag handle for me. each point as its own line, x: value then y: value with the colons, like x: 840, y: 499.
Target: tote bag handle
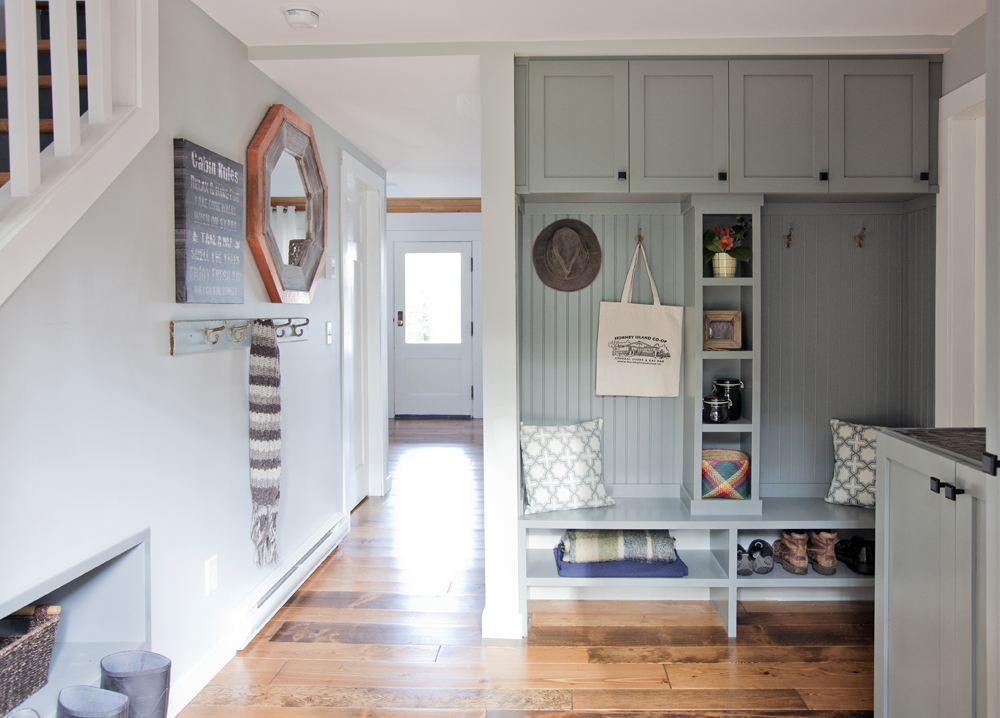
x: 627, y: 292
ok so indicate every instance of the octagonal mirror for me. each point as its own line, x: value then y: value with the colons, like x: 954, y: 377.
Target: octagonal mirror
x: 286, y: 206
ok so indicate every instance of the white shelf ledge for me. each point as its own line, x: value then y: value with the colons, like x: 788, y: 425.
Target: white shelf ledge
x: 780, y: 578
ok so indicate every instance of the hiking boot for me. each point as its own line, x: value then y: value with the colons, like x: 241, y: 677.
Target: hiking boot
x: 742, y: 562
x: 790, y: 552
x: 857, y: 553
x: 821, y: 552
x: 761, y: 556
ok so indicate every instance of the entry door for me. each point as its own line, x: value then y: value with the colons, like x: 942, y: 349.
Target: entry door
x: 433, y: 328
x: 355, y: 378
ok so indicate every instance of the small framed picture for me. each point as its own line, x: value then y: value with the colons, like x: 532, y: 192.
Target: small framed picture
x: 722, y: 330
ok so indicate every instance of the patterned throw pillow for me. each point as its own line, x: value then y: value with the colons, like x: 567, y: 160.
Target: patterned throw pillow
x: 563, y: 467
x: 854, y: 470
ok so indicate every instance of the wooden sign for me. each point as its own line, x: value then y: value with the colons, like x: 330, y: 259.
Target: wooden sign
x: 208, y: 226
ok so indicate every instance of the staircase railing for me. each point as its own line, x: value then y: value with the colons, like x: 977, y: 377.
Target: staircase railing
x: 49, y: 190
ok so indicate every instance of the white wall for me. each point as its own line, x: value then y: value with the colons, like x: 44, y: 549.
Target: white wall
x: 967, y: 57
x: 438, y: 227
x: 103, y: 433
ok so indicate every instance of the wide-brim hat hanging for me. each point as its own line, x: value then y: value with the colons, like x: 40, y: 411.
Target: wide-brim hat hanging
x: 567, y: 255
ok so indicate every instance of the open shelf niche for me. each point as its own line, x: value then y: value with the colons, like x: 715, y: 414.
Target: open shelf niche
x: 703, y: 293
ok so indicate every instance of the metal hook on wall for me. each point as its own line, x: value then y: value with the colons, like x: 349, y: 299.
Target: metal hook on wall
x: 297, y: 328
x: 209, y: 331
x: 280, y: 328
x: 639, y: 237
x: 788, y: 238
x: 859, y: 239
x: 234, y: 330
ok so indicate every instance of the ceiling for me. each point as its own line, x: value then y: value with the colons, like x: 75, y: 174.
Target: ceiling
x: 419, y: 117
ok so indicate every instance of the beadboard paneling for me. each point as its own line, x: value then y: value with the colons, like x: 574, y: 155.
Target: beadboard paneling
x: 848, y: 333
x: 558, y: 330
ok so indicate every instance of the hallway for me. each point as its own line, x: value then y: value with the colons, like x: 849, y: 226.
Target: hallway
x: 390, y: 624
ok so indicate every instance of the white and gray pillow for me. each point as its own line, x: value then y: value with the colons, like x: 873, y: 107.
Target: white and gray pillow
x: 853, y: 481
x: 563, y: 467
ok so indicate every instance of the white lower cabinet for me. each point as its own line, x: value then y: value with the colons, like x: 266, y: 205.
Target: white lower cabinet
x: 930, y: 588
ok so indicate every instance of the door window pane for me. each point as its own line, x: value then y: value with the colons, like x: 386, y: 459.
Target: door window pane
x: 433, y: 298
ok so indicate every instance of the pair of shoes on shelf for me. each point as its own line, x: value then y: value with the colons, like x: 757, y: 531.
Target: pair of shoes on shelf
x: 797, y: 550
x: 858, y: 554
x: 759, y: 558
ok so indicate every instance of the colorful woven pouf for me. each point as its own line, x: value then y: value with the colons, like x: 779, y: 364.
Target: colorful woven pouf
x: 725, y: 474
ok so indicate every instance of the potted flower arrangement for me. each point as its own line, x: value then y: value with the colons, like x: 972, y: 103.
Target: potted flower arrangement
x: 723, y: 250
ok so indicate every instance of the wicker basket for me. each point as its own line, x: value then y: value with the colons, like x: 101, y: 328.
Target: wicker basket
x: 24, y: 660
x: 725, y: 474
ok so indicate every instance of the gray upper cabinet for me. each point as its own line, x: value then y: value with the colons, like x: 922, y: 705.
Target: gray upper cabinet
x: 778, y: 121
x: 679, y: 126
x: 878, y: 125
x: 578, y: 126
x: 520, y: 128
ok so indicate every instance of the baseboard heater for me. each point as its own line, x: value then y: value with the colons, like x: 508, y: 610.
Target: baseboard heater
x: 259, y: 607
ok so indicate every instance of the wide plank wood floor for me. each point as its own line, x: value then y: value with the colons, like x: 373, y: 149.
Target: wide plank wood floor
x: 389, y: 625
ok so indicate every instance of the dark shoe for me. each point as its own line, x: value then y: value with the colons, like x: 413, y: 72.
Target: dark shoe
x: 821, y: 552
x: 742, y: 562
x: 858, y: 554
x: 761, y: 557
x: 790, y: 552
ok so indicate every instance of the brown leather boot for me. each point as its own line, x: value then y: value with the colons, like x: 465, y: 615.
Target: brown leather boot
x: 821, y: 552
x: 790, y: 552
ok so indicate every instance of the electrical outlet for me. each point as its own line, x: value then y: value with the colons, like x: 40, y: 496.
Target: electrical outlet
x: 329, y: 332
x: 211, y: 574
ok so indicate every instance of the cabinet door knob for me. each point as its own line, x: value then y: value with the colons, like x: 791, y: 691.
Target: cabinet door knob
x: 925, y: 176
x: 824, y: 176
x: 622, y: 175
x: 935, y: 485
x: 723, y: 176
x: 951, y: 491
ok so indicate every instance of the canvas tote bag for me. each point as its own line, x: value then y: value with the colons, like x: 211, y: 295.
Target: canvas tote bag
x: 639, y: 345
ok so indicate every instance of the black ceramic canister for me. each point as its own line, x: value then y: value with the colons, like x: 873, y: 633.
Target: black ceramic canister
x: 716, y: 410
x: 730, y: 389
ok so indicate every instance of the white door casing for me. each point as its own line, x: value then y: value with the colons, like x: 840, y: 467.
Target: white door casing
x: 433, y: 372
x: 364, y: 411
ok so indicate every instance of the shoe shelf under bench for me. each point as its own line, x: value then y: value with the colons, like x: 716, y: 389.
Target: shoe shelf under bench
x: 712, y: 565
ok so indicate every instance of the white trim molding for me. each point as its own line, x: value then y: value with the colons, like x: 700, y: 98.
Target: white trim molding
x: 32, y: 225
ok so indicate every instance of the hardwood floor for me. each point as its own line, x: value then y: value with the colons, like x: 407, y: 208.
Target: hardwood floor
x: 389, y: 625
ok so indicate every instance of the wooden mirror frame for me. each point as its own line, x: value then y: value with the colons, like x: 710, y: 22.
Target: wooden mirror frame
x: 283, y: 130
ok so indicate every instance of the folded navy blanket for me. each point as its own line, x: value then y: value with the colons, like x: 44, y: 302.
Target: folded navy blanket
x: 619, y: 569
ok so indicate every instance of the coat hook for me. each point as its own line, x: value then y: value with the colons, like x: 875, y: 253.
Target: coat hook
x: 297, y: 328
x: 214, y: 330
x: 280, y: 328
x: 242, y: 336
x: 788, y: 238
x: 639, y: 237
x: 859, y: 239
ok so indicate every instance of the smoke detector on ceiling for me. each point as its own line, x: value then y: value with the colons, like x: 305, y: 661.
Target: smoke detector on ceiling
x: 302, y: 17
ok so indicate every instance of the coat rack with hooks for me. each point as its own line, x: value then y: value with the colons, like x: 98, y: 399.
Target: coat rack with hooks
x: 209, y: 335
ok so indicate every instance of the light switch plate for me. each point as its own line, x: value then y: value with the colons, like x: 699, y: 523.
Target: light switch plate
x: 211, y: 574
x: 329, y: 332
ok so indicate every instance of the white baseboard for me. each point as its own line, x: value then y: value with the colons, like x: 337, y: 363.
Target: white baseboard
x: 184, y: 689
x: 256, y: 609
x: 507, y: 625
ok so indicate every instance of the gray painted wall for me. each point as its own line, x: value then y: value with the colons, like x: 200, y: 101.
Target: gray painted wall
x: 848, y: 332
x: 103, y: 433
x: 558, y: 338
x: 966, y: 60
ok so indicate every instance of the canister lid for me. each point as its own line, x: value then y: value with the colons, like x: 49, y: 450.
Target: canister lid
x: 729, y: 383
x: 712, y: 400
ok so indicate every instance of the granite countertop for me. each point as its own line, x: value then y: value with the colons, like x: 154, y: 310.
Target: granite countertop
x: 966, y: 445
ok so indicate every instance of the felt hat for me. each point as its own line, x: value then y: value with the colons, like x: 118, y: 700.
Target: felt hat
x: 567, y: 255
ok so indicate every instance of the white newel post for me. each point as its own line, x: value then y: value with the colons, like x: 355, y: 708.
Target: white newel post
x: 22, y: 96
x: 501, y: 617
x: 99, y: 107
x: 65, y: 76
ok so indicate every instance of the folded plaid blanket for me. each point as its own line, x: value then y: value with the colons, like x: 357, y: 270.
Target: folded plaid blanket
x: 579, y: 546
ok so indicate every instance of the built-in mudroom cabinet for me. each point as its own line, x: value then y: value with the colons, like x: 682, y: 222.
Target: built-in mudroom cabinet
x: 827, y: 160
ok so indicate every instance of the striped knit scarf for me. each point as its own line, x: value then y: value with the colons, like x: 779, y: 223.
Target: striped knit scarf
x: 265, y: 440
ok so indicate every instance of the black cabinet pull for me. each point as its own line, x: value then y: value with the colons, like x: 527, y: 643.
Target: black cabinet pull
x: 951, y: 491
x: 925, y: 176
x: 621, y: 176
x: 935, y: 485
x: 723, y: 176
x: 824, y: 176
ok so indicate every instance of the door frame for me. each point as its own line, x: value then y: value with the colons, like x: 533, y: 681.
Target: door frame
x: 375, y: 300
x: 437, y: 227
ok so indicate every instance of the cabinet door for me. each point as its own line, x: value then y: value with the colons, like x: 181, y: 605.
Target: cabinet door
x: 879, y: 117
x: 578, y: 126
x: 521, y: 128
x: 913, y: 566
x: 679, y: 126
x: 778, y: 120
